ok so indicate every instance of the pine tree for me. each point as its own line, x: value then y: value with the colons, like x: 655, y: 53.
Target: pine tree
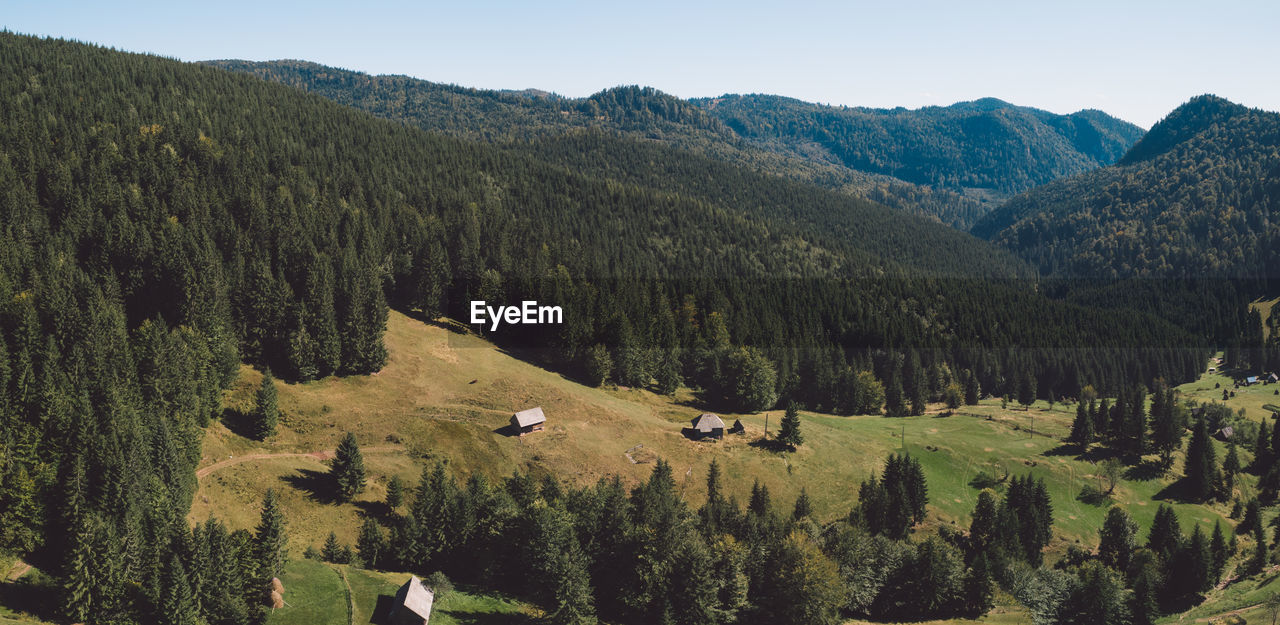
x: 77, y: 578
x: 1117, y: 539
x: 1165, y: 537
x: 347, y: 471
x: 668, y: 374
x: 1082, y: 428
x: 789, y: 432
x: 180, y: 603
x: 266, y: 414
x: 1218, y: 550
x: 1231, y: 466
x: 1144, y: 603
x: 573, y: 603
x: 972, y: 390
x: 802, y: 508
x: 984, y: 527
x: 269, y: 543
x: 914, y: 384
x: 1262, y: 458
x: 371, y: 543
x: 977, y: 590
x: 330, y: 552
x: 1200, y: 465
x: 395, y: 492
x: 1027, y: 388
x: 1261, y: 555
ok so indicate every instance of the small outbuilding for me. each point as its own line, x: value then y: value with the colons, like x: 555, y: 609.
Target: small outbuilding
x: 738, y: 428
x: 412, y: 604
x: 526, y: 421
x: 1251, y: 380
x: 1225, y: 433
x: 708, y: 425
x: 1273, y: 378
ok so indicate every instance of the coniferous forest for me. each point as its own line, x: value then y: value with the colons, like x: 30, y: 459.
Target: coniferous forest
x: 163, y: 222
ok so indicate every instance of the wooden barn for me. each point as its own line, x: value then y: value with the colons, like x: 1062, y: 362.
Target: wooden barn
x: 738, y: 428
x: 526, y: 421
x: 412, y: 604
x: 708, y: 425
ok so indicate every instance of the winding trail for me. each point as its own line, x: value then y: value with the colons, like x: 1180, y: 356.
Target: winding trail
x: 322, y: 455
x: 19, y: 569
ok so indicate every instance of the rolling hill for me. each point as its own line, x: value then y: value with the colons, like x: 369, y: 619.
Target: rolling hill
x: 985, y: 146
x: 763, y: 133
x: 1196, y: 197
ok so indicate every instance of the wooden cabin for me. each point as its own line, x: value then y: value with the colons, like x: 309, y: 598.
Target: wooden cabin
x: 526, y: 421
x: 412, y: 604
x: 738, y: 428
x: 708, y: 425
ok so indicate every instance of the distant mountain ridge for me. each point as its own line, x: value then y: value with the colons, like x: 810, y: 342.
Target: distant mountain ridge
x: 1197, y: 197
x: 985, y: 144
x: 531, y: 115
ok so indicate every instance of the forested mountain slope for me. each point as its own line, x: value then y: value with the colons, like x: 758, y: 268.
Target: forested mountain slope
x: 161, y: 222
x: 645, y: 113
x: 1197, y: 197
x: 986, y: 144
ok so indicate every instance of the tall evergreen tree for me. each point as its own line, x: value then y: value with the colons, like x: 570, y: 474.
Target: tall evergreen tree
x: 1082, y: 428
x: 1117, y: 539
x: 789, y: 431
x: 266, y: 414
x: 269, y: 545
x: 347, y: 469
x: 1200, y: 466
x: 371, y: 544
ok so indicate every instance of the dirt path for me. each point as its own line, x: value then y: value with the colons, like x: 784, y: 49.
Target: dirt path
x: 322, y: 455
x: 19, y: 569
x: 351, y: 601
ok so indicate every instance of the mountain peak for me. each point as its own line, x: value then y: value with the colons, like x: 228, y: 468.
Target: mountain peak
x: 1181, y: 124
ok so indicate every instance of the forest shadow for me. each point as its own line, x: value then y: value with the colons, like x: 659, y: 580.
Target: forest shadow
x: 1145, y: 471
x: 382, y: 610
x: 769, y: 444
x: 25, y: 595
x: 1065, y: 449
x: 1176, y: 491
x: 238, y: 421
x: 315, y: 484
x: 487, y: 618
x: 374, y: 509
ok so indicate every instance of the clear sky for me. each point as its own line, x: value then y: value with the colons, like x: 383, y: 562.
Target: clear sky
x: 1135, y: 60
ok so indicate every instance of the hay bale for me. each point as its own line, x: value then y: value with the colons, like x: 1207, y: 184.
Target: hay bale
x: 276, y: 585
x: 277, y: 600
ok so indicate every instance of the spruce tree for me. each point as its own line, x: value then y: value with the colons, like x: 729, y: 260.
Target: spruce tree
x: 330, y: 552
x: 574, y: 602
x: 1082, y: 428
x: 1261, y: 556
x: 269, y: 543
x: 180, y: 605
x: 266, y: 414
x: 1218, y: 550
x: 347, y: 470
x: 1117, y: 539
x: 1165, y: 537
x: 1200, y: 466
x: 1231, y: 466
x: 371, y: 543
x: 395, y: 492
x: 802, y: 508
x: 789, y: 432
x: 978, y: 587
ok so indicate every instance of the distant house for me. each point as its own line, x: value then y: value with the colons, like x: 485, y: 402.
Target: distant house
x: 1212, y: 370
x: 737, y: 428
x: 527, y: 421
x: 1251, y: 380
x: 1226, y: 433
x: 708, y: 425
x: 412, y: 605
x: 1273, y: 378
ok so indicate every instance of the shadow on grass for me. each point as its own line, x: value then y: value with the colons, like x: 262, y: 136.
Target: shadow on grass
x: 1144, y: 471
x: 382, y: 610
x: 238, y: 421
x: 1094, y: 496
x: 487, y: 618
x: 507, y: 430
x: 1065, y: 449
x: 374, y: 509
x: 316, y: 484
x: 769, y: 444
x: 1176, y: 491
x: 34, y: 594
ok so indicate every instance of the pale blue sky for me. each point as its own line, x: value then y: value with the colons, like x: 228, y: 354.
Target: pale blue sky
x: 1135, y: 60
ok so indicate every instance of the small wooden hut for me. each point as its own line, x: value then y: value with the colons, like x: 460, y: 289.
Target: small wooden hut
x: 526, y: 421
x: 412, y: 604
x: 708, y: 425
